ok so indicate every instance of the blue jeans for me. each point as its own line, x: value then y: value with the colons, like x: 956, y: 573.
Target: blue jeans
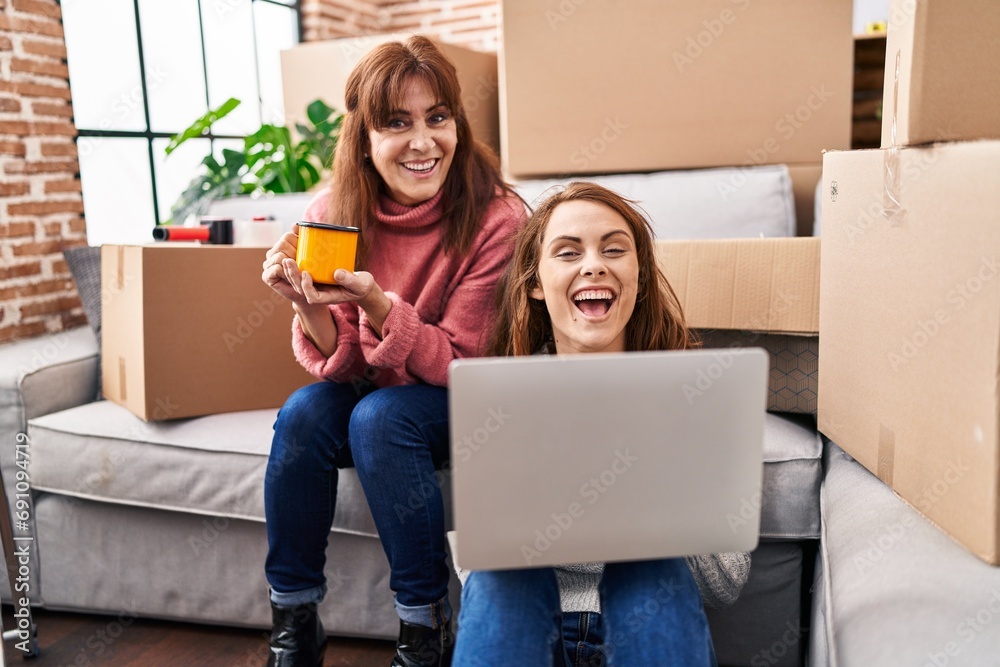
x: 651, y: 615
x: 396, y: 438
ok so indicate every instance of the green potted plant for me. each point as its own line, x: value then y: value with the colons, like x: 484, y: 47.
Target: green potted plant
x: 271, y: 160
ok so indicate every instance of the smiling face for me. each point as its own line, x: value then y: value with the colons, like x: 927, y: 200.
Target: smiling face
x: 413, y: 153
x: 588, y: 275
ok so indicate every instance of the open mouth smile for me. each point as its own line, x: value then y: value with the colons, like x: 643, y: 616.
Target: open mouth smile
x: 421, y: 166
x: 594, y: 302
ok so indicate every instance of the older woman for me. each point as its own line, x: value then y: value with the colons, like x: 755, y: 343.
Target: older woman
x: 436, y: 219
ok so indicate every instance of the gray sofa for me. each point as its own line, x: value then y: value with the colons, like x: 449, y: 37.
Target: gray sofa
x: 166, y: 519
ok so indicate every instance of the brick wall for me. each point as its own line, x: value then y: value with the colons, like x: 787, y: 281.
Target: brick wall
x: 471, y: 23
x: 330, y: 19
x: 40, y: 203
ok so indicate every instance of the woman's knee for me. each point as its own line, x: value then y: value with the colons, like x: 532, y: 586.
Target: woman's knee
x: 398, y: 414
x: 310, y: 405
x: 312, y: 422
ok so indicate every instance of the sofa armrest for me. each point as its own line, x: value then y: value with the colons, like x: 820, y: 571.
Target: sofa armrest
x: 46, y: 374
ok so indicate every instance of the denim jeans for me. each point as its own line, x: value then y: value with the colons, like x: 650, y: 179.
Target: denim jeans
x: 396, y: 438
x: 651, y: 615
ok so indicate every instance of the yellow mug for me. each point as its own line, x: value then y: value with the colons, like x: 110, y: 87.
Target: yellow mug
x: 322, y: 249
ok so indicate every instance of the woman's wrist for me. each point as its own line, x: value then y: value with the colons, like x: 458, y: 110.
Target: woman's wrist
x: 376, y: 306
x: 318, y: 326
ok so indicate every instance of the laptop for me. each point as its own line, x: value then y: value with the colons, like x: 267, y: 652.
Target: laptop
x: 606, y: 457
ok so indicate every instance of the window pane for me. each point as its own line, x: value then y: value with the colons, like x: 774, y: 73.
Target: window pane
x: 117, y: 191
x: 232, y: 70
x: 175, y: 76
x: 277, y: 29
x: 103, y: 56
x: 175, y: 171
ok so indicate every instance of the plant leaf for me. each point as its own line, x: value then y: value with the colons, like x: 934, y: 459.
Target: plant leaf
x: 201, y: 126
x: 318, y: 111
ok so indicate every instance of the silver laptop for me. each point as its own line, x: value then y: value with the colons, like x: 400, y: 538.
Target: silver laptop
x: 606, y: 457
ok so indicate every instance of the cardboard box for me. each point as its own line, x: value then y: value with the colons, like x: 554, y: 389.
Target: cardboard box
x: 320, y: 70
x: 910, y: 315
x: 594, y: 87
x: 755, y: 292
x: 947, y: 56
x: 191, y: 330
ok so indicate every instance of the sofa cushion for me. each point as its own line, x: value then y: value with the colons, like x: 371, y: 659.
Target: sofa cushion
x: 215, y: 465
x: 737, y: 202
x: 212, y: 465
x: 793, y: 470
x: 897, y: 590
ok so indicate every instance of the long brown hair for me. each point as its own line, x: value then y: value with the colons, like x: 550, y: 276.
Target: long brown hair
x: 374, y: 89
x: 523, y: 326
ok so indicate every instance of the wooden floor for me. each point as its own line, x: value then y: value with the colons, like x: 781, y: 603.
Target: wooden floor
x: 82, y: 640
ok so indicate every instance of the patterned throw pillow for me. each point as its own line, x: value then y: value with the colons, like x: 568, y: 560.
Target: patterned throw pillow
x: 85, y: 265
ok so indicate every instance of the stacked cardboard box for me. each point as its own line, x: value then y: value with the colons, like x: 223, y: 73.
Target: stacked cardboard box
x: 596, y: 88
x: 754, y: 292
x: 942, y: 74
x: 910, y: 300
x: 191, y: 330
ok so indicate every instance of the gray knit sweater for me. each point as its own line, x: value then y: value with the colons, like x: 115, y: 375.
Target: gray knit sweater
x: 720, y: 578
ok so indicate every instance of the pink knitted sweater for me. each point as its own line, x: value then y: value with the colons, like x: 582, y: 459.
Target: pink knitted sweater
x: 441, y: 305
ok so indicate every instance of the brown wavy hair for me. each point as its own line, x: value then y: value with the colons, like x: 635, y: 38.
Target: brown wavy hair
x: 377, y: 86
x: 523, y: 327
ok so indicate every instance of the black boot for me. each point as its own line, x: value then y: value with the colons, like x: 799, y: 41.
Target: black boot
x: 297, y: 637
x: 420, y: 646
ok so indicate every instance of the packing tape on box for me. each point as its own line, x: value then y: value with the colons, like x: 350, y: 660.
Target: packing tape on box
x: 120, y: 266
x: 891, y: 207
x: 886, y: 453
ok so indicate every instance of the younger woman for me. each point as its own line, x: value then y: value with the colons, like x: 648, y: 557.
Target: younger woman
x: 584, y: 279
